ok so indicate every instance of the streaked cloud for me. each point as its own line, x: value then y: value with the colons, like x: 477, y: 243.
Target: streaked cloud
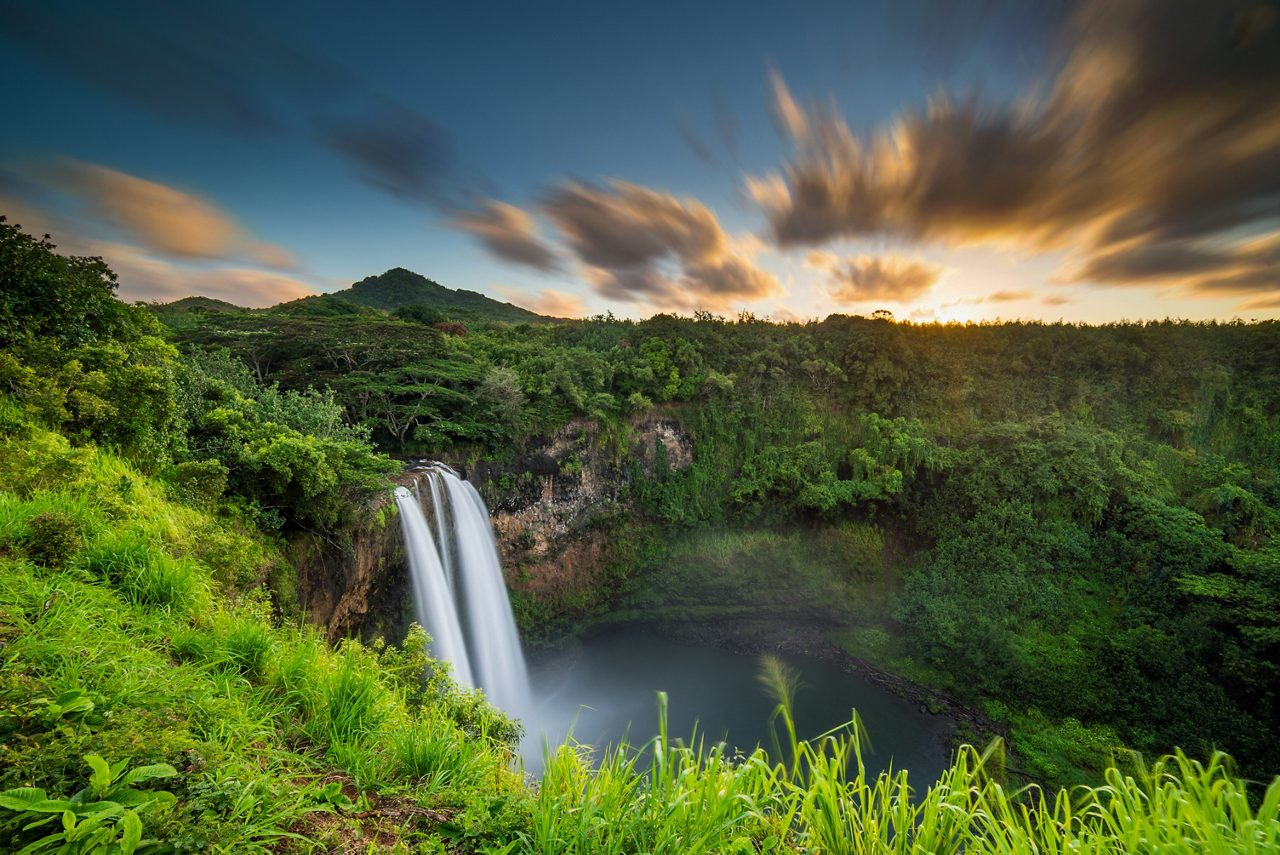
x: 791, y: 118
x: 146, y: 277
x: 622, y: 225
x: 218, y: 69
x: 164, y: 219
x: 642, y: 245
x: 880, y: 278
x: 509, y: 233
x: 548, y: 301
x: 719, y: 146
x: 404, y: 154
x: 1009, y: 296
x: 1264, y: 303
x: 1150, y: 156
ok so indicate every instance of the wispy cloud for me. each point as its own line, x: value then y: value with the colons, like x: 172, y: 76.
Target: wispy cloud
x: 164, y: 219
x: 642, y: 245
x: 549, y: 302
x: 1264, y: 303
x: 215, y: 68
x: 146, y: 277
x: 1009, y: 296
x: 880, y: 278
x: 1151, y: 157
x: 509, y: 233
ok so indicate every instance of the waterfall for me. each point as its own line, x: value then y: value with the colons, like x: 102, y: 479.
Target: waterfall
x: 491, y: 626
x: 435, y: 609
x: 443, y: 542
x: 459, y: 590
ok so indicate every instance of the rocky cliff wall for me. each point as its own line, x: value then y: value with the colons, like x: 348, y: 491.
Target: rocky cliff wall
x: 560, y: 514
x: 357, y: 586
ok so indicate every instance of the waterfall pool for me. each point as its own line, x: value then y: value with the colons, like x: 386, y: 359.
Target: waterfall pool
x: 606, y: 687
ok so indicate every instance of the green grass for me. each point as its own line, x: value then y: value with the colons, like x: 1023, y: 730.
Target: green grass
x: 145, y: 639
x: 154, y: 621
x: 698, y: 800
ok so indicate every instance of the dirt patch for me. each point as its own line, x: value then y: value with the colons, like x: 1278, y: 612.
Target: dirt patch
x: 380, y: 826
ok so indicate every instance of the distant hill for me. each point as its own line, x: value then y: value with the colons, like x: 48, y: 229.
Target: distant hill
x: 399, y: 287
x: 198, y: 304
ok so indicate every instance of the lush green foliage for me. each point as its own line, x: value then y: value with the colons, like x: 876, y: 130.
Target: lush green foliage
x: 700, y: 800
x: 102, y: 817
x: 399, y: 289
x: 147, y: 641
x: 1073, y: 527
x: 80, y: 362
x: 1082, y: 521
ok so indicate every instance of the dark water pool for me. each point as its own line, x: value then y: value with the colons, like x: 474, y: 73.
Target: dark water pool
x: 607, y: 687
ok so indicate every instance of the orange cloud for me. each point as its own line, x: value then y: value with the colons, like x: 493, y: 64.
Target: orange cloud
x: 509, y: 233
x: 549, y: 302
x: 145, y: 277
x: 630, y: 239
x: 1264, y: 303
x: 623, y: 225
x: 165, y: 220
x: 1149, y: 154
x: 1009, y: 296
x: 886, y: 278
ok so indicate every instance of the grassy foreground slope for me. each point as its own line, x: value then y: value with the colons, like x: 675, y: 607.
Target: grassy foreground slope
x: 121, y: 641
x: 124, y: 636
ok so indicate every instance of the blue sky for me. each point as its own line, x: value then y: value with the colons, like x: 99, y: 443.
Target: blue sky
x: 351, y: 140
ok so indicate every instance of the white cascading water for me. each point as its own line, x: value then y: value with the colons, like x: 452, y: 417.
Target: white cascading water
x: 443, y: 541
x: 496, y: 654
x: 459, y: 591
x: 435, y: 609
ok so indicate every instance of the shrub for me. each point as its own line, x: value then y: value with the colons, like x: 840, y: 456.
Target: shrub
x: 52, y: 538
x: 198, y: 482
x: 103, y: 817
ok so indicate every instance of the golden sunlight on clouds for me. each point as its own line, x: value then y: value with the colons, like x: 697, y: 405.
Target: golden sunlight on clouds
x: 151, y: 279
x: 868, y: 278
x: 644, y: 246
x: 1150, y: 158
x: 549, y: 302
x: 165, y: 220
x: 509, y: 233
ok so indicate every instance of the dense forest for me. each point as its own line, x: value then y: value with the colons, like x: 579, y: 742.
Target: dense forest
x: 1074, y: 529
x: 1083, y: 520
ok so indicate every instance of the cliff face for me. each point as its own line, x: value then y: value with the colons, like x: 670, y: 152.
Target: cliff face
x: 558, y: 509
x: 357, y: 587
x: 547, y: 507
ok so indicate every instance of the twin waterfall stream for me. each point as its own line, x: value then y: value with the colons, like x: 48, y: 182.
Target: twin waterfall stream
x: 459, y: 594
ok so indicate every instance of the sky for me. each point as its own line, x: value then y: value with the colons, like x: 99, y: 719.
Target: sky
x: 1078, y: 160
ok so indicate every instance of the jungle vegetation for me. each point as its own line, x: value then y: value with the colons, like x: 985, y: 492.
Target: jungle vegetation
x: 1077, y: 525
